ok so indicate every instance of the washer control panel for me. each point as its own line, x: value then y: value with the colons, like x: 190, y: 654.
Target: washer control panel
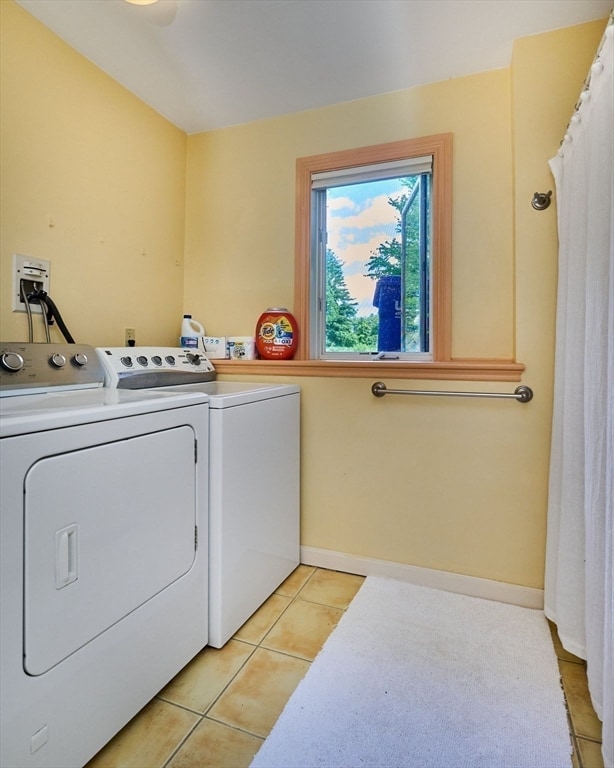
x: 31, y: 368
x: 143, y: 367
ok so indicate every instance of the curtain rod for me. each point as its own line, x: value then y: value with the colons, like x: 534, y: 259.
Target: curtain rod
x: 522, y: 394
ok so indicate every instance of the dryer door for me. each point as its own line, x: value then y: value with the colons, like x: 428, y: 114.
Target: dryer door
x: 106, y: 528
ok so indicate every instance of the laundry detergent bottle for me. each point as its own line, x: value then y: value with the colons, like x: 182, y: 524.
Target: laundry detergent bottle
x: 276, y: 334
x: 191, y: 331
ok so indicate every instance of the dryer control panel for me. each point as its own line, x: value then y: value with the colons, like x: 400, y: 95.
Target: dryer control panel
x: 31, y: 368
x: 145, y: 367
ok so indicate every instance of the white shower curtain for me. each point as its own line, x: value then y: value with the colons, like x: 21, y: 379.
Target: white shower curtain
x: 579, y: 586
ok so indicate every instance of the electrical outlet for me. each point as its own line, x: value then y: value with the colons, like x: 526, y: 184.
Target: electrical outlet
x: 29, y: 275
x: 130, y: 336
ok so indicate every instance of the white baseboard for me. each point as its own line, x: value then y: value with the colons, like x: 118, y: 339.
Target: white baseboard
x: 527, y: 597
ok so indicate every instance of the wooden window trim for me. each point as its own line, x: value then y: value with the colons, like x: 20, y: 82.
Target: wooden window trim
x: 442, y: 366
x: 440, y: 147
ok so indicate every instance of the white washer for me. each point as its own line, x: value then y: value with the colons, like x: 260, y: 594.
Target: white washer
x: 104, y: 567
x: 254, y: 484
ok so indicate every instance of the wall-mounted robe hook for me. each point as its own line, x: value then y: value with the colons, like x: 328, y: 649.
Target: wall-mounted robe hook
x: 541, y: 200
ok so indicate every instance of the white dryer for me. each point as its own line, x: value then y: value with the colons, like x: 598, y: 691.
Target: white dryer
x: 104, y: 568
x: 254, y: 476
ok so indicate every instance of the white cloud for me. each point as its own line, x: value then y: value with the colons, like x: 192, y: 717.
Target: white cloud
x: 340, y: 203
x: 376, y: 212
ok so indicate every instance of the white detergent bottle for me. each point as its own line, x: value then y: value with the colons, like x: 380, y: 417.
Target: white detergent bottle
x: 191, y: 331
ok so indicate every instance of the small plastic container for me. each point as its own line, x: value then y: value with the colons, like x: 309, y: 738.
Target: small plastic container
x: 215, y: 347
x: 276, y: 334
x: 242, y: 347
x: 191, y: 332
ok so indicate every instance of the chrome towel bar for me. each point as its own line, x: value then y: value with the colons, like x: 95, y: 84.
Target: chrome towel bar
x: 522, y: 393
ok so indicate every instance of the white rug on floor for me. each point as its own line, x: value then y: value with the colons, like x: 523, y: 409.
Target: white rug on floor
x: 414, y: 676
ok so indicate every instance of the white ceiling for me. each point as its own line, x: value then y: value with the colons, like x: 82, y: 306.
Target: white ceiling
x: 207, y: 64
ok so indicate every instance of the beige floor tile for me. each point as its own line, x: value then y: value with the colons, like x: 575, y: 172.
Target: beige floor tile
x: 561, y: 653
x: 590, y: 753
x: 205, y: 677
x: 256, y: 627
x: 575, y: 762
x: 214, y: 745
x: 584, y: 720
x: 255, y: 698
x: 303, y: 629
x: 295, y: 580
x: 149, y: 739
x: 332, y: 588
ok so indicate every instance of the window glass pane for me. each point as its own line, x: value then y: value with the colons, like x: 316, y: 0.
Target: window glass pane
x: 377, y: 266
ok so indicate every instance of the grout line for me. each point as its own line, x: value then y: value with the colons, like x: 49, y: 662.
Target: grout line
x: 254, y: 647
x: 216, y: 699
x: 225, y: 688
x: 234, y: 727
x: 292, y: 600
x: 588, y: 738
x: 180, y: 706
x: 574, y: 735
x: 573, y: 738
x: 182, y: 742
x: 286, y: 653
x: 205, y: 715
x: 307, y: 580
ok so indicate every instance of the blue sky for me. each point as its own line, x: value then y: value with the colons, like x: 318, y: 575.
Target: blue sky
x: 359, y: 218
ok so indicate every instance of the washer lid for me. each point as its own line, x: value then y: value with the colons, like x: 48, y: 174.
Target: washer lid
x: 35, y: 413
x: 226, y: 394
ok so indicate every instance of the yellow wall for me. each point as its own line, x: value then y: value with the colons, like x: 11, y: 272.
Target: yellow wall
x: 240, y: 216
x: 82, y: 153
x: 454, y: 484
x: 458, y: 485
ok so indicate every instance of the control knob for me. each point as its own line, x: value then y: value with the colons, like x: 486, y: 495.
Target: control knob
x: 80, y: 358
x: 58, y: 360
x: 193, y: 358
x: 11, y: 361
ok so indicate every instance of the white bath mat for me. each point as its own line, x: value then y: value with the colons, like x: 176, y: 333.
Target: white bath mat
x: 418, y: 677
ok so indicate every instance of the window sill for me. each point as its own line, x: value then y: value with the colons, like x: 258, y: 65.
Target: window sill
x: 459, y: 370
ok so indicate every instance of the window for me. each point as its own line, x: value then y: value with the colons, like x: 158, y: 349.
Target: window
x: 370, y: 260
x: 373, y: 252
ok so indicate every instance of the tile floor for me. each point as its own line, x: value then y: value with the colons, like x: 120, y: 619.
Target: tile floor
x: 218, y: 710
x: 584, y: 725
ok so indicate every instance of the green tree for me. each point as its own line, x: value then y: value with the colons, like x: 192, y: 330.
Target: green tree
x: 365, y: 329
x: 340, y: 307
x: 386, y: 258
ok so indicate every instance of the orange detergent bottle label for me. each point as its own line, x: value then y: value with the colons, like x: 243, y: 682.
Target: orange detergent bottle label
x: 276, y: 335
